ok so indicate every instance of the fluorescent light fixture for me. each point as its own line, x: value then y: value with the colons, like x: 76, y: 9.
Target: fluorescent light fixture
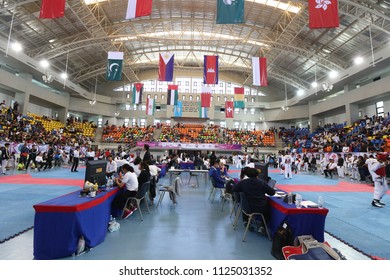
x: 333, y: 74
x: 44, y: 63
x: 358, y: 60
x: 90, y: 2
x: 64, y: 76
x: 17, y: 47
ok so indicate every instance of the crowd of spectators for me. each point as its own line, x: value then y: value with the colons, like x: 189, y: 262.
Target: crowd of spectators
x: 369, y: 134
x: 127, y: 135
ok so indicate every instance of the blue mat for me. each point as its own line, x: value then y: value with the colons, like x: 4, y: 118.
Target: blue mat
x: 16, y: 205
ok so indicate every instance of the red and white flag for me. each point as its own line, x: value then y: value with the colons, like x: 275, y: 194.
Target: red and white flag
x: 205, y: 97
x: 52, y: 9
x: 138, y: 8
x: 229, y: 109
x: 323, y: 14
x: 259, y: 68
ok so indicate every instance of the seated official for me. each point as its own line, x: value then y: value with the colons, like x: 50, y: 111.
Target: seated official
x: 129, y: 183
x: 330, y: 168
x: 111, y: 167
x: 223, y: 170
x: 255, y: 190
x: 215, y: 174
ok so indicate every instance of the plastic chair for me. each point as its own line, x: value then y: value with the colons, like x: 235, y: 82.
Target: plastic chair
x: 245, y: 208
x: 173, y: 191
x: 141, y: 195
x: 214, y: 189
x: 196, y: 177
x: 236, y: 208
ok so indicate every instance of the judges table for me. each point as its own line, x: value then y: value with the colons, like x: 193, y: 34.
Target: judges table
x: 191, y: 171
x: 303, y: 221
x: 60, y: 222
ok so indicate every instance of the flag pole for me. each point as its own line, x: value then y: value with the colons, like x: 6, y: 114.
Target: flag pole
x: 10, y: 30
x: 372, y: 47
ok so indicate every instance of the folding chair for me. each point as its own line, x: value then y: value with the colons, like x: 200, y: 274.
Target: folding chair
x: 192, y: 174
x: 214, y: 190
x: 173, y: 191
x: 245, y: 208
x: 141, y: 195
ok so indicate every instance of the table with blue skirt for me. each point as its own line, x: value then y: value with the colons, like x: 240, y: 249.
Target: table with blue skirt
x: 303, y: 221
x: 59, y: 223
x: 186, y: 165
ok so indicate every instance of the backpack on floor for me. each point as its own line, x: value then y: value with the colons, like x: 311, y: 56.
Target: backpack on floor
x: 284, y: 236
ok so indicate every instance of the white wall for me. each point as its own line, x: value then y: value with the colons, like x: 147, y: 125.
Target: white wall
x: 7, y: 98
x: 340, y: 118
x: 40, y: 111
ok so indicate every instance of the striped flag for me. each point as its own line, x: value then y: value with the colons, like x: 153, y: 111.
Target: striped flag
x: 210, y: 70
x: 173, y: 94
x: 178, y: 109
x: 165, y: 69
x: 259, y: 67
x: 52, y: 9
x: 229, y: 109
x: 138, y: 8
x: 205, y: 97
x: 239, y: 97
x: 137, y: 93
x: 114, y: 66
x: 150, y: 106
x: 202, y: 111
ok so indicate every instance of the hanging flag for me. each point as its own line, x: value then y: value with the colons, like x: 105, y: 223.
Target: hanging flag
x: 137, y: 93
x: 138, y: 8
x: 323, y: 14
x: 114, y: 66
x: 178, y: 109
x: 239, y: 97
x: 259, y: 67
x: 202, y: 111
x: 230, y: 11
x: 52, y: 9
x: 150, y: 106
x: 173, y: 94
x: 205, y: 97
x: 210, y: 71
x: 229, y: 109
x: 165, y: 69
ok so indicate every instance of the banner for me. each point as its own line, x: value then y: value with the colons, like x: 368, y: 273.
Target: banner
x: 230, y: 11
x: 259, y: 68
x: 239, y: 97
x: 205, y: 97
x: 137, y: 93
x: 178, y: 109
x: 229, y: 109
x: 165, y: 69
x: 173, y: 94
x: 52, y: 9
x: 202, y: 111
x: 323, y: 14
x: 150, y: 106
x: 210, y: 70
x: 138, y: 8
x: 114, y: 66
x: 190, y: 146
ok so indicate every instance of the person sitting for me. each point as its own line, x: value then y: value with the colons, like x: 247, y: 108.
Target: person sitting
x: 111, y: 167
x: 215, y: 174
x: 144, y: 175
x: 128, y: 182
x: 330, y: 168
x: 255, y: 190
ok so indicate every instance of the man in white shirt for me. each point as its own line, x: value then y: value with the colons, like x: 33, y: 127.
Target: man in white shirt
x: 111, y: 167
x: 330, y: 168
x: 287, y: 161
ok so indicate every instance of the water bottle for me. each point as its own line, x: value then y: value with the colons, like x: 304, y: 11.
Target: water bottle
x: 320, y: 202
x: 289, y: 198
x: 298, y: 201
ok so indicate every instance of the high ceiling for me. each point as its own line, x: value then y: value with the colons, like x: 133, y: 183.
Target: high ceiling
x: 296, y: 55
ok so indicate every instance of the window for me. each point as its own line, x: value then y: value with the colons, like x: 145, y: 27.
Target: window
x: 152, y: 89
x: 245, y: 110
x: 225, y: 98
x: 100, y: 121
x: 134, y: 122
x: 143, y: 107
x: 197, y: 98
x: 155, y: 96
x: 156, y: 121
x: 218, y: 98
x: 168, y: 121
x: 179, y: 83
x: 126, y: 121
x: 148, y: 96
x: 380, y: 109
x: 127, y: 107
x: 246, y: 99
x: 159, y: 89
x: 187, y: 83
x: 184, y: 97
x: 220, y: 91
x: 253, y: 125
x: 252, y: 111
x: 223, y: 124
x: 236, y: 110
x: 195, y: 84
x: 142, y: 122
x: 187, y: 90
x: 213, y: 91
x: 229, y: 84
x: 195, y: 90
x: 162, y: 96
x: 190, y: 97
x: 231, y: 98
x: 252, y: 99
x: 236, y: 125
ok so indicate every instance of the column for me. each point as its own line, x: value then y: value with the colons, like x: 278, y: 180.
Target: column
x: 351, y: 112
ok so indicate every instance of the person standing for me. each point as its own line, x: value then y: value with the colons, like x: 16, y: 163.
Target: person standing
x: 50, y: 156
x: 32, y: 154
x: 287, y: 166
x: 340, y: 166
x: 76, y: 157
x: 4, y: 156
x: 378, y: 173
x: 147, y: 157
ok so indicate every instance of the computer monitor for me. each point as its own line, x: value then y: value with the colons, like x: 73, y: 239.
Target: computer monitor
x: 96, y: 171
x: 263, y: 171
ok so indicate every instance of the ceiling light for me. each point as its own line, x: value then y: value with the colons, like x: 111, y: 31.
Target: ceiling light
x: 17, y: 47
x: 333, y: 74
x: 314, y: 84
x: 358, y: 60
x: 90, y: 2
x: 300, y: 92
x: 44, y: 63
x: 64, y: 76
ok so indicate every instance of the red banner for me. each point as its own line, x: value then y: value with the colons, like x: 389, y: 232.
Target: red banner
x: 323, y: 14
x: 229, y: 109
x: 52, y: 9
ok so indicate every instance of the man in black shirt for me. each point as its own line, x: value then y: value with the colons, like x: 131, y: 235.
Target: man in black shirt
x: 147, y: 158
